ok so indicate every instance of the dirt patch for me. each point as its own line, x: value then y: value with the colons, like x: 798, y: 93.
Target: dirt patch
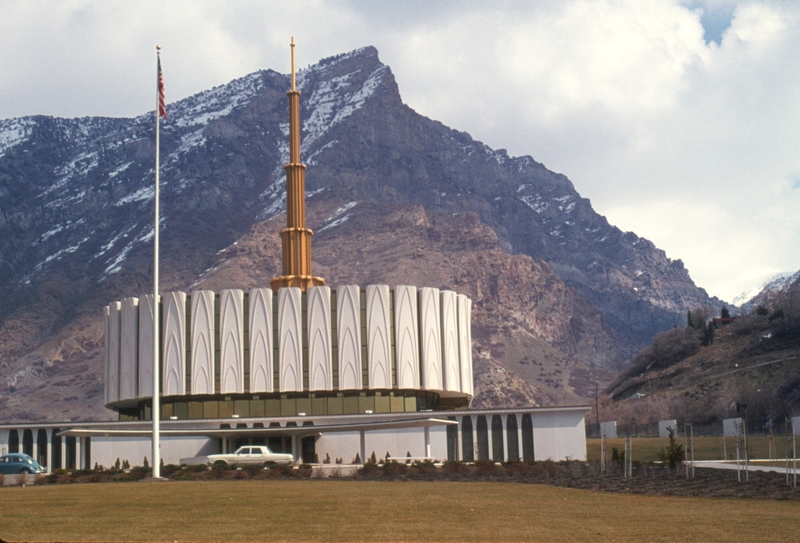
x: 707, y: 483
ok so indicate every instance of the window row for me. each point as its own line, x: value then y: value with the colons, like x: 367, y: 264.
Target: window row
x: 476, y: 444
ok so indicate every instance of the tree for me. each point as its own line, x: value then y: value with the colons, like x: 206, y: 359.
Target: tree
x: 725, y: 314
x: 708, y: 336
x: 672, y: 456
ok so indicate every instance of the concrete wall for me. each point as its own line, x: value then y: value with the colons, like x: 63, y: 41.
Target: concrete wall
x: 664, y: 425
x: 732, y: 427
x: 106, y: 450
x: 609, y: 429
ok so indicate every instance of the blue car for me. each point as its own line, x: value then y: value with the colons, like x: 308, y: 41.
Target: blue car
x: 15, y: 463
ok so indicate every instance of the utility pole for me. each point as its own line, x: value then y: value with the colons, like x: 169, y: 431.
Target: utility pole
x: 597, y: 405
x: 772, y: 452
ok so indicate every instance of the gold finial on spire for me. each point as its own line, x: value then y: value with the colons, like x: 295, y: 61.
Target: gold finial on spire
x: 294, y: 86
x: 295, y: 238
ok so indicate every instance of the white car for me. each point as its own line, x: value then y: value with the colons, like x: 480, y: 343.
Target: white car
x: 249, y: 455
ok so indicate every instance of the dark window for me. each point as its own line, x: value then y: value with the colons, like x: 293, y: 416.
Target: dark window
x: 483, y: 438
x: 275, y: 444
x: 27, y: 443
x: 527, y: 438
x: 452, y: 441
x: 13, y: 441
x: 498, y: 451
x: 41, y: 445
x: 308, y: 448
x: 71, y: 453
x: 513, y: 438
x: 56, y: 449
x: 87, y: 452
x: 467, y: 446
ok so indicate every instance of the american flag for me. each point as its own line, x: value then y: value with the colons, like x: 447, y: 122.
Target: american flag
x: 162, y: 97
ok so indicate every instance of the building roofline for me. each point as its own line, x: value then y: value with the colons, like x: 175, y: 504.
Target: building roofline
x: 356, y: 417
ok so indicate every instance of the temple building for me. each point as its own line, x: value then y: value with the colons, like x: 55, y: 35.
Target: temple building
x: 318, y: 372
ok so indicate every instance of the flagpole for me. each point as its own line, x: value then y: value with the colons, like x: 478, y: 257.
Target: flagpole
x: 155, y: 412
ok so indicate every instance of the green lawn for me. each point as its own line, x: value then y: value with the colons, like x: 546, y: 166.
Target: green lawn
x: 646, y: 449
x: 313, y: 510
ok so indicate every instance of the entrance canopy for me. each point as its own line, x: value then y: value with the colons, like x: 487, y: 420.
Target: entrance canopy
x: 230, y: 433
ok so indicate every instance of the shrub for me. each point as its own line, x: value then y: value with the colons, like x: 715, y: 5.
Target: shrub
x: 242, y: 473
x: 459, y: 468
x: 668, y: 348
x: 394, y: 469
x: 518, y: 469
x: 761, y: 310
x: 545, y: 469
x: 426, y: 468
x: 169, y: 469
x: 57, y: 477
x: 485, y: 467
x: 99, y: 477
x: 218, y: 473
x: 280, y: 471
x: 552, y: 469
x: 370, y: 469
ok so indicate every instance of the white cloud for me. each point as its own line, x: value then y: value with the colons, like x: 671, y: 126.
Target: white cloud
x: 665, y: 113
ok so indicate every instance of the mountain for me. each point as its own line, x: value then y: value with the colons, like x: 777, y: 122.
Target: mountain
x: 764, y: 294
x: 76, y: 230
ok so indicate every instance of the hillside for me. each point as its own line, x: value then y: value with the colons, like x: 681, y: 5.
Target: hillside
x: 754, y: 360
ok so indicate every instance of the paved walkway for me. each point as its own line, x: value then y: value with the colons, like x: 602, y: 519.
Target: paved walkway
x: 753, y: 467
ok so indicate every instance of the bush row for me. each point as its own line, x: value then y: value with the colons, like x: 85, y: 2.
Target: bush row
x: 481, y: 470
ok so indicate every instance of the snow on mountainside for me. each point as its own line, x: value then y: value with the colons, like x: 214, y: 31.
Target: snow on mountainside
x: 747, y: 301
x: 13, y: 132
x: 76, y: 209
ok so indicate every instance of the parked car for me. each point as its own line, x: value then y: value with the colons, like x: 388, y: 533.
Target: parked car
x: 258, y: 455
x: 14, y: 463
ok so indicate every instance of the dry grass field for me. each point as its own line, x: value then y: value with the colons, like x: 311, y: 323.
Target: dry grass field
x: 646, y: 449
x: 340, y: 510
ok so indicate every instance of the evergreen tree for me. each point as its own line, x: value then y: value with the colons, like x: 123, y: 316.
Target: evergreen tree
x: 708, y: 336
x: 672, y: 456
x: 725, y: 314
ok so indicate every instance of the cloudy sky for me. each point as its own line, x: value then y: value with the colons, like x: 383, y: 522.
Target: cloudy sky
x: 678, y: 119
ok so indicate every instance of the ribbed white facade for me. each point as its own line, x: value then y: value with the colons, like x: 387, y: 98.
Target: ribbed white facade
x: 234, y: 342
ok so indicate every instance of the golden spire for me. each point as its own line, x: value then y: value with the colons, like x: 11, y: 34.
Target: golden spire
x: 295, y: 238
